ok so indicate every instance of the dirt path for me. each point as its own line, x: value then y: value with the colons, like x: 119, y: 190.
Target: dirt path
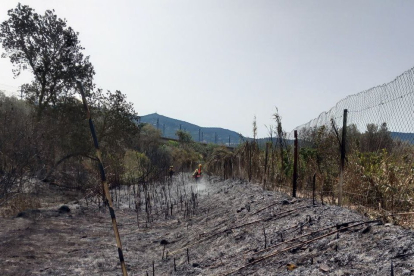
x: 227, y: 228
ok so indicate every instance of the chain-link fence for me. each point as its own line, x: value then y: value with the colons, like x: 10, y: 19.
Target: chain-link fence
x: 390, y: 103
x: 376, y: 148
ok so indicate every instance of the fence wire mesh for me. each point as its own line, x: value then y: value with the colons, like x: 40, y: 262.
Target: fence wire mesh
x: 390, y: 103
x: 379, y: 143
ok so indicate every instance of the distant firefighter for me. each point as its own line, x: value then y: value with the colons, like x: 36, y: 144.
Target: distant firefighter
x: 197, y: 173
x: 171, y: 171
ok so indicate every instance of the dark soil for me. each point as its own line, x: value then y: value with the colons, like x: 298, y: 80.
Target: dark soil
x: 222, y: 228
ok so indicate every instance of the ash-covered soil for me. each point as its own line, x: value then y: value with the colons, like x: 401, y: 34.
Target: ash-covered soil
x: 216, y: 228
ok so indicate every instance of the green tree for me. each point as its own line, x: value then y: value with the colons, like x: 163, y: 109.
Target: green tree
x: 376, y: 138
x: 113, y: 117
x: 51, y: 50
x: 184, y: 137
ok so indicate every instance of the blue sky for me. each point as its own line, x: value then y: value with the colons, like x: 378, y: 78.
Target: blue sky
x: 220, y: 63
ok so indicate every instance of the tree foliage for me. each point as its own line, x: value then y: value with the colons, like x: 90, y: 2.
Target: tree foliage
x: 113, y: 116
x: 51, y: 50
x: 184, y: 137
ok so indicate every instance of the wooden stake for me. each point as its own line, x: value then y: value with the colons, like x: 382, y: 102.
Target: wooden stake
x: 108, y: 199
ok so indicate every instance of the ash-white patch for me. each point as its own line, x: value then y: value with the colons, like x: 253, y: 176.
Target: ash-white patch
x: 212, y: 227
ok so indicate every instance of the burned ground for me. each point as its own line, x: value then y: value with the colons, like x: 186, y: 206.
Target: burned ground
x: 213, y: 228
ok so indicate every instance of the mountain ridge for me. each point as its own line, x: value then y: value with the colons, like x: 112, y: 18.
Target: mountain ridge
x: 169, y: 126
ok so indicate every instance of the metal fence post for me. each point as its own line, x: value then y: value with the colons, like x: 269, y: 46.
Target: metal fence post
x: 295, y: 165
x: 343, y: 152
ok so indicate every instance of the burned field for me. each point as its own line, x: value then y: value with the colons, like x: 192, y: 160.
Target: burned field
x: 210, y: 228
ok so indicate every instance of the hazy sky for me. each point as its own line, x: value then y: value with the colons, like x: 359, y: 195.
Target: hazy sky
x: 220, y: 63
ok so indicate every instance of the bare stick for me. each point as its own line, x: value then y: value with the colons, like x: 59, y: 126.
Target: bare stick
x: 104, y: 182
x: 313, y: 188
x: 264, y: 208
x: 163, y: 250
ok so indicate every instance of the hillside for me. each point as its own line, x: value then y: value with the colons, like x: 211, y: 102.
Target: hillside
x: 168, y: 127
x: 409, y: 137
